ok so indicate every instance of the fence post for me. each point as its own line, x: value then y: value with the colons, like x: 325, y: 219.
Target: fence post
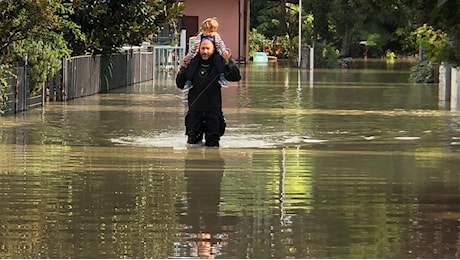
x: 43, y: 94
x: 64, y: 84
x: 141, y: 68
x: 127, y: 65
x: 154, y: 66
x: 22, y: 88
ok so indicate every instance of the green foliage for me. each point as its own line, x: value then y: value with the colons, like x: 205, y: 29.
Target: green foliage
x: 451, y: 52
x: 343, y: 23
x: 279, y: 46
x: 284, y: 47
x: 44, y: 57
x: 346, y: 16
x: 108, y: 25
x: 308, y: 26
x: 258, y: 42
x: 5, y: 72
x: 422, y: 72
x: 389, y: 55
x: 371, y: 40
x: 326, y: 55
x: 432, y: 41
x: 275, y: 28
x: 279, y: 18
x: 23, y: 19
x: 266, y: 19
x: 34, y: 29
x: 323, y: 28
x: 45, y: 31
x: 405, y: 41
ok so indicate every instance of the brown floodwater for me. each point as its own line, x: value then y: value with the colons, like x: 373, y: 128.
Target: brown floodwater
x: 356, y: 163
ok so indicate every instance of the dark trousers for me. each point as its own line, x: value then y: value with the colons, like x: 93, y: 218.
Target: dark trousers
x: 218, y: 61
x: 210, y: 124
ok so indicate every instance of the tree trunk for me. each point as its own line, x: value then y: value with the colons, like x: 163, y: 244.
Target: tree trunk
x: 346, y: 41
x: 283, y: 23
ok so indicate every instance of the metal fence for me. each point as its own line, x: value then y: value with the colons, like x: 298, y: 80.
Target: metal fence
x: 168, y: 57
x: 19, y: 97
x: 87, y: 75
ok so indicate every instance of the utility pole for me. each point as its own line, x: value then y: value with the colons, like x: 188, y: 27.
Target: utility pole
x: 300, y: 34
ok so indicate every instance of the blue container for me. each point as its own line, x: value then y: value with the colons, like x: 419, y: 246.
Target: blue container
x: 260, y: 57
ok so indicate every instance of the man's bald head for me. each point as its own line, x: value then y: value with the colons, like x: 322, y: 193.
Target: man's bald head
x: 206, y: 49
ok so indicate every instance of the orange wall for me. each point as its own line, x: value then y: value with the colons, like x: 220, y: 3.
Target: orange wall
x: 226, y: 12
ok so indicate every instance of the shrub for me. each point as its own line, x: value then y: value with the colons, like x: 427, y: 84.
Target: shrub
x: 258, y: 42
x: 422, y: 72
x: 326, y: 55
x: 5, y: 72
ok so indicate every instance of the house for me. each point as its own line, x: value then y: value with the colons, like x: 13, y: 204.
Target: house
x: 233, y: 17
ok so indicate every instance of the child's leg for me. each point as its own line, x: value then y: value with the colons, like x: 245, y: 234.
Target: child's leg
x: 219, y: 61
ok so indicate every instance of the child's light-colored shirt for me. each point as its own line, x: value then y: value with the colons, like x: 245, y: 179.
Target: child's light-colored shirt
x: 195, y: 48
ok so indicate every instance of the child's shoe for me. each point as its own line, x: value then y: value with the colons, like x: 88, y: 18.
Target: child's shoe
x: 223, y: 81
x: 187, y: 86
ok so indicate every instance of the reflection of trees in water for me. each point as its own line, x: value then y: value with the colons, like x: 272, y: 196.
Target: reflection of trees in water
x: 433, y: 228
x: 273, y: 207
x: 117, y: 214
x: 95, y: 209
x: 358, y: 206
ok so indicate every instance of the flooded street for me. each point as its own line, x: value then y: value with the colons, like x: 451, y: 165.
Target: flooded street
x: 357, y: 163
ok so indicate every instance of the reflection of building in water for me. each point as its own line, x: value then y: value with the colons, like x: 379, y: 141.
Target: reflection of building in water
x: 199, y: 214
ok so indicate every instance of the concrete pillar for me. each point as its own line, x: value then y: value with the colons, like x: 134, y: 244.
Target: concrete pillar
x: 455, y: 89
x: 444, y: 82
x: 304, y: 56
x: 65, y: 81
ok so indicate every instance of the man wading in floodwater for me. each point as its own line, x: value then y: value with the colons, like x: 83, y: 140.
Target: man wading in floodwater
x: 205, y: 116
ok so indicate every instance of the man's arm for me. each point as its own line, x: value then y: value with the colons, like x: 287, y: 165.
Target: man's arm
x: 180, y: 78
x: 232, y: 72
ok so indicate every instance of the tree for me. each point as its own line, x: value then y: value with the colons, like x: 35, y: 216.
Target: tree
x: 320, y: 10
x: 371, y: 40
x: 34, y: 29
x: 108, y: 25
x: 25, y: 19
x: 385, y: 25
x: 45, y: 31
x: 278, y: 22
x: 44, y: 57
x: 446, y: 17
x: 265, y: 20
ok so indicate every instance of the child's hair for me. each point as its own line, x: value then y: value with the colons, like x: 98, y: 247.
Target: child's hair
x: 210, y: 25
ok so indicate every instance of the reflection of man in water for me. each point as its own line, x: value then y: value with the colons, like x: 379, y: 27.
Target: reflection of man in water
x: 203, y: 172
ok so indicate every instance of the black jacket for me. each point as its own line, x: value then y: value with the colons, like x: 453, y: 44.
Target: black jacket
x: 206, y: 92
